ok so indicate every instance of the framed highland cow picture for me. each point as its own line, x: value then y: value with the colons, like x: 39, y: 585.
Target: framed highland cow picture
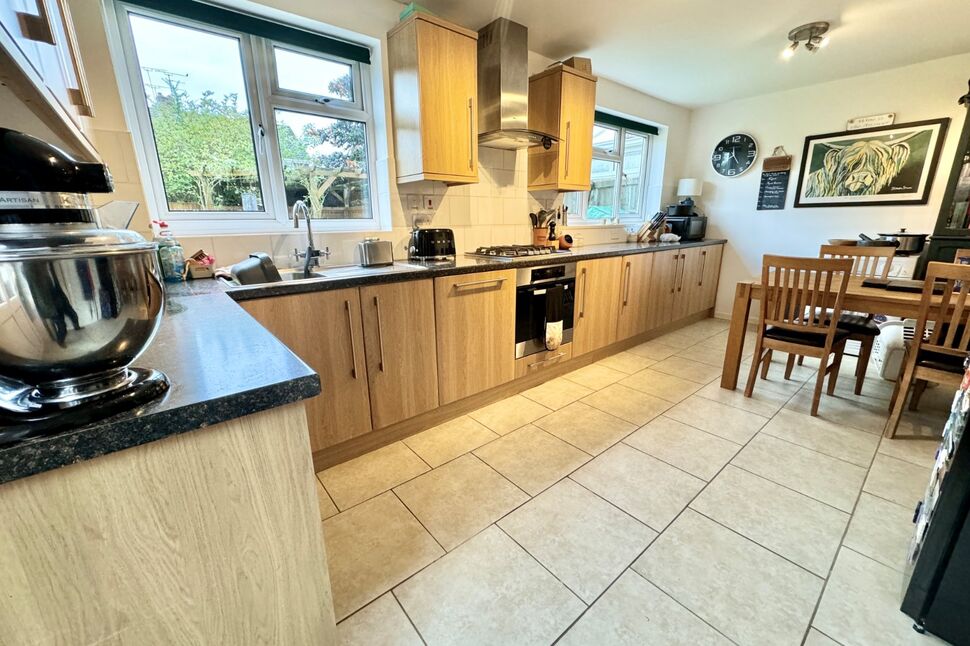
x: 883, y: 166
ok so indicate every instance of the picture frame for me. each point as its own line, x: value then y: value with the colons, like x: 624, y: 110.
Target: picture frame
x: 882, y: 166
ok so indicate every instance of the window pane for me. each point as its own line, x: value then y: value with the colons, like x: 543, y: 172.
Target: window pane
x: 200, y: 116
x: 602, y: 182
x: 605, y: 139
x: 574, y: 201
x: 313, y: 75
x: 634, y: 148
x: 324, y: 164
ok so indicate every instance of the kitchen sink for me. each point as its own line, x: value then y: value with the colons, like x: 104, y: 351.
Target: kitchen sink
x: 332, y: 273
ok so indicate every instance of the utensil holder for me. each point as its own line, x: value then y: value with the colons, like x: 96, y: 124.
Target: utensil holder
x: 540, y: 237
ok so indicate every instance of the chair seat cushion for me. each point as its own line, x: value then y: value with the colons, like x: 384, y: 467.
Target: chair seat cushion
x: 939, y: 361
x: 813, y: 339
x: 858, y: 324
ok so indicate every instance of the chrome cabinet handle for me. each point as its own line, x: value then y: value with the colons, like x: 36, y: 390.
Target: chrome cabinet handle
x: 380, y: 336
x: 626, y: 291
x: 673, y: 286
x: 582, y: 310
x: 471, y: 135
x: 700, y: 282
x: 683, y: 270
x: 353, y: 342
x: 568, y: 128
x: 37, y: 27
x: 480, y: 282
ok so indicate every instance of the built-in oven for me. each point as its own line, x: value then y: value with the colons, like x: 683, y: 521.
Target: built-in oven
x: 533, y: 287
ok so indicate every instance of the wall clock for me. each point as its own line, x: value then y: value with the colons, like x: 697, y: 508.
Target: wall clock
x: 734, y: 154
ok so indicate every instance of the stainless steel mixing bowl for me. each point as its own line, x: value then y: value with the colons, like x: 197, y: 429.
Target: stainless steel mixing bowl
x: 77, y: 306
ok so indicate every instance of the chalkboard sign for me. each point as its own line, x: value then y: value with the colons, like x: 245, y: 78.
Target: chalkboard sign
x: 775, y: 173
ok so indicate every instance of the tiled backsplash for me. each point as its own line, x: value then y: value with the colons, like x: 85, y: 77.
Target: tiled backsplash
x: 493, y: 211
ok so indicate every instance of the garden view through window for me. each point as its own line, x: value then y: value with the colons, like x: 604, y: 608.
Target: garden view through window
x: 227, y: 146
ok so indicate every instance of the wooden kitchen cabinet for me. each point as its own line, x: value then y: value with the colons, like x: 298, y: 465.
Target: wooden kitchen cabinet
x: 324, y: 329
x: 475, y: 322
x: 562, y: 102
x: 703, y: 269
x: 597, y: 304
x: 663, y: 288
x: 635, y: 306
x: 399, y: 342
x: 434, y: 100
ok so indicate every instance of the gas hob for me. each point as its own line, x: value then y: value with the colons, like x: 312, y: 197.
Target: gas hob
x: 511, y: 252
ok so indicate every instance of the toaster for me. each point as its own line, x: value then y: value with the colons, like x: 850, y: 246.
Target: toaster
x: 374, y: 252
x: 432, y: 244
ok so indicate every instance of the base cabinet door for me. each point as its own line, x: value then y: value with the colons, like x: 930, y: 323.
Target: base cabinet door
x: 475, y: 320
x: 597, y: 304
x: 324, y: 330
x: 399, y: 343
x: 704, y: 269
x: 663, y: 288
x: 634, y: 310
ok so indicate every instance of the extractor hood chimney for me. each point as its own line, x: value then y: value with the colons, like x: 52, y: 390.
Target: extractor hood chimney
x: 503, y: 88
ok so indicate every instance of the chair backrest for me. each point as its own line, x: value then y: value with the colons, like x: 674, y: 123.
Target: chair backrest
x: 803, y: 294
x: 941, y: 325
x: 867, y: 262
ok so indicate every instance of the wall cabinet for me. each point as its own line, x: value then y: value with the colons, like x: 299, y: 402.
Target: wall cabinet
x: 562, y: 102
x: 400, y: 345
x: 597, y: 304
x: 475, y: 322
x: 434, y: 100
x: 635, y: 305
x: 324, y: 330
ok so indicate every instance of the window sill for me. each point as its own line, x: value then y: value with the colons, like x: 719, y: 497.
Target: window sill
x: 190, y: 228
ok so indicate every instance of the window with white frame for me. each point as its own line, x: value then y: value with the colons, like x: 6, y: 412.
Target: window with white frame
x: 618, y: 178
x: 237, y: 127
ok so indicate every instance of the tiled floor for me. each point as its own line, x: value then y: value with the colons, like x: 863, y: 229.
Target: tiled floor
x: 634, y: 501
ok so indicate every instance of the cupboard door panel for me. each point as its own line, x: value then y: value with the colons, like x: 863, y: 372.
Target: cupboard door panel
x: 399, y: 343
x: 636, y: 276
x: 475, y: 320
x: 702, y: 274
x: 597, y: 307
x: 578, y: 108
x: 663, y: 288
x: 324, y: 330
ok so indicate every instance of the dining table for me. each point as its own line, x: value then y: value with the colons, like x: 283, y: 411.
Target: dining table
x: 858, y: 298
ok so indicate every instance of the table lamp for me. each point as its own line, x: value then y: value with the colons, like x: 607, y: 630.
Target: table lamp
x: 688, y: 189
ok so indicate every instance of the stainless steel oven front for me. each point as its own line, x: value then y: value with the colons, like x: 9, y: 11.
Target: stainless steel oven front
x: 533, y: 285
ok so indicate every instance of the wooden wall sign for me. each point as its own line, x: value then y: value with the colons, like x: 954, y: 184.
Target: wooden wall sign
x: 775, y: 173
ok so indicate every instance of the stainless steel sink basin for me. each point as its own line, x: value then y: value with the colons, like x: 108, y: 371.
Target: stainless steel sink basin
x: 297, y: 274
x: 331, y: 273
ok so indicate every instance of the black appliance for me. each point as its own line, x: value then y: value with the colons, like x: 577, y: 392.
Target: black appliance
x: 938, y: 561
x: 691, y: 227
x: 532, y: 288
x: 432, y: 244
x: 682, y: 209
x: 510, y: 252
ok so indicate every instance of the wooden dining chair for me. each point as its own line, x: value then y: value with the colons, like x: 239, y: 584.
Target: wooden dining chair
x: 867, y: 262
x: 800, y: 310
x: 941, y: 338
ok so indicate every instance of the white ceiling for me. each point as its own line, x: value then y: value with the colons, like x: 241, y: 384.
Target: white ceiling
x: 698, y: 52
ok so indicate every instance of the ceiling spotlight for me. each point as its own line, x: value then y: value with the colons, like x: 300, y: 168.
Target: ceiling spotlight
x: 812, y: 34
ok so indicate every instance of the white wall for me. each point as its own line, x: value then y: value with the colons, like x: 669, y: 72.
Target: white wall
x: 922, y: 91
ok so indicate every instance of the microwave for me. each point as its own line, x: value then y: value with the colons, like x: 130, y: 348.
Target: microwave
x: 688, y: 227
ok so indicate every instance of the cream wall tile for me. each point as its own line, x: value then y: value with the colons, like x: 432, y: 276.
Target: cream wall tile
x: 231, y: 249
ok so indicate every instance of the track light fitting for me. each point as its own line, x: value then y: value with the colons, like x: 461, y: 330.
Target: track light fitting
x: 811, y: 34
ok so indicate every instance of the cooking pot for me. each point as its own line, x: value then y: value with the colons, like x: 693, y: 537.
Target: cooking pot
x: 866, y: 241
x: 82, y: 303
x: 908, y: 243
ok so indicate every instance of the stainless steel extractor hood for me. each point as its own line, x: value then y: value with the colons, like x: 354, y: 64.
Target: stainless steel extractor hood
x: 503, y: 88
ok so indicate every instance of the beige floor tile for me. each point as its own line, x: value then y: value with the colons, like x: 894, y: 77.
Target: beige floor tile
x: 327, y: 508
x: 815, y: 638
x: 372, y: 473
x: 776, y: 379
x: 921, y: 452
x: 699, y: 453
x: 678, y: 366
x: 459, y: 499
x: 382, y: 622
x: 626, y: 362
x: 840, y: 409
x: 703, y: 354
x: 881, y: 530
x: 718, y: 419
x: 789, y: 524
x: 556, y: 393
x: 662, y: 385
x: 763, y: 401
x: 371, y: 548
x: 720, y: 341
x: 585, y: 427
x: 449, y: 440
x: 834, y: 440
x: 488, y: 591
x: 818, y: 476
x: 627, y: 404
x: 686, y: 336
x: 743, y: 590
x: 583, y: 540
x: 634, y: 612
x: 532, y: 458
x: 509, y: 414
x: 646, y: 488
x: 655, y: 350
x: 896, y: 480
x: 594, y: 376
x: 861, y: 605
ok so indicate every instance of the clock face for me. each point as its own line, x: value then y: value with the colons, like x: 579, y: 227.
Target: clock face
x: 734, y: 154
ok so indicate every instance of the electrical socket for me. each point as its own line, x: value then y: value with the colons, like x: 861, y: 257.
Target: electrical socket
x: 414, y: 202
x: 428, y: 202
